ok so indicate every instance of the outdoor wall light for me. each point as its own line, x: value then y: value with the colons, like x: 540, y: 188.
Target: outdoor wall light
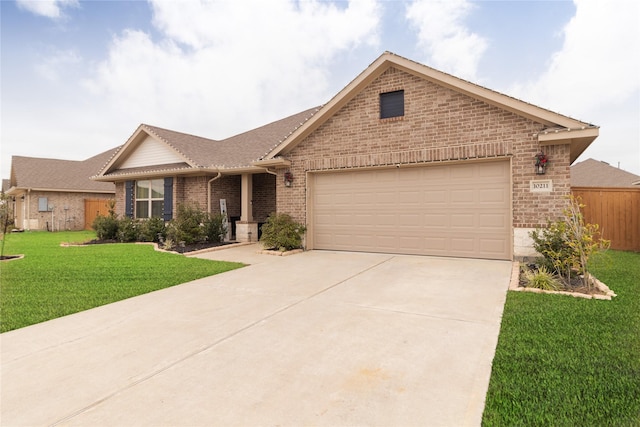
x: 288, y: 178
x: 541, y: 163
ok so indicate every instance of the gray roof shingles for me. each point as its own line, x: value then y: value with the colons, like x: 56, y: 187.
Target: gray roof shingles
x: 60, y: 175
x: 235, y: 152
x: 594, y: 173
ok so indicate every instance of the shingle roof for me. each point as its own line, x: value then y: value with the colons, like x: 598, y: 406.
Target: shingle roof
x: 60, y: 175
x: 238, y: 151
x: 594, y: 173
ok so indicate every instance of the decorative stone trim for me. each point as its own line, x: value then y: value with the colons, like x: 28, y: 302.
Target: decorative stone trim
x: 280, y: 253
x: 515, y: 280
x: 216, y: 248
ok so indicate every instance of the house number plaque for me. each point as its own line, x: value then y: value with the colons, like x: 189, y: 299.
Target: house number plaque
x: 541, y: 186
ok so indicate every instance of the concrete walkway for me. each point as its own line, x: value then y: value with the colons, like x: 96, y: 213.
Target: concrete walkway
x: 319, y: 338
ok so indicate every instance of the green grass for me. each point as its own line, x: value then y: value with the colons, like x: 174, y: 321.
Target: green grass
x: 563, y: 361
x: 52, y: 281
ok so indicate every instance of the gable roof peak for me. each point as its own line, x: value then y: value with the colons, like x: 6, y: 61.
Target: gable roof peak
x: 388, y: 59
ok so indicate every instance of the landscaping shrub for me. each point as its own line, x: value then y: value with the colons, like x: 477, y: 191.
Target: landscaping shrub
x: 106, y: 227
x: 152, y: 230
x: 281, y: 232
x: 188, y: 225
x: 568, y: 244
x: 214, y: 227
x: 542, y: 278
x: 127, y: 230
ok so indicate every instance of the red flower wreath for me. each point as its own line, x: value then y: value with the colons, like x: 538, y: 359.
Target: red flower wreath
x: 541, y: 159
x: 288, y: 176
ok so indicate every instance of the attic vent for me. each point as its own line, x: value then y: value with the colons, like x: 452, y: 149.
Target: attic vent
x: 392, y: 104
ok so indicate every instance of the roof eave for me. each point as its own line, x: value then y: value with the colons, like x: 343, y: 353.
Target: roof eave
x: 578, y: 139
x: 152, y: 174
x: 277, y: 162
x: 224, y: 170
x: 19, y: 190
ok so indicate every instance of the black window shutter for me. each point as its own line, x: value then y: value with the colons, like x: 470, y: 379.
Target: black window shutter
x: 128, y: 198
x: 168, y: 199
x: 392, y: 104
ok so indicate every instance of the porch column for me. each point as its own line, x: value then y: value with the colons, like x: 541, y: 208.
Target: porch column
x: 246, y: 228
x: 246, y: 194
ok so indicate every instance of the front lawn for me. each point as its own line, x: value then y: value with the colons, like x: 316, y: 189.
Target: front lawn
x: 52, y: 281
x: 563, y: 361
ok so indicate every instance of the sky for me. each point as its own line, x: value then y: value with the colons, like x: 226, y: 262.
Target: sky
x: 78, y: 77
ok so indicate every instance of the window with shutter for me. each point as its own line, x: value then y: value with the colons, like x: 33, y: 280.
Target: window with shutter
x: 149, y: 198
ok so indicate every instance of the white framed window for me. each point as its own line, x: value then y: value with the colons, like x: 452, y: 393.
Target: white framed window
x: 149, y: 198
x: 43, y: 204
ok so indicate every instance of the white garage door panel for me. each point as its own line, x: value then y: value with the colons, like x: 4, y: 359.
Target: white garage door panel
x: 454, y: 210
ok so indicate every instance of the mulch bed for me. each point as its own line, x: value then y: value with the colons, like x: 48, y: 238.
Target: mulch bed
x: 194, y: 247
x: 179, y: 249
x: 575, y: 285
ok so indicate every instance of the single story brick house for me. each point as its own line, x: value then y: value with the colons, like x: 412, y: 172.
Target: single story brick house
x: 405, y: 159
x: 53, y: 194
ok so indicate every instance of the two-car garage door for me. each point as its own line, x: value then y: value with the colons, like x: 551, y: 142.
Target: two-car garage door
x: 460, y: 210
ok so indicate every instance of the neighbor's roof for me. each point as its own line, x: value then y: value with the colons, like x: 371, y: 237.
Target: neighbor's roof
x: 199, y: 153
x: 58, y: 175
x: 594, y: 173
x: 560, y: 129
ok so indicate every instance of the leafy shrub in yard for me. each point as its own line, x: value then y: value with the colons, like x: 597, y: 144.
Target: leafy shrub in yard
x: 281, y: 232
x: 214, y: 227
x: 188, y: 225
x: 152, y: 230
x: 568, y: 244
x: 127, y: 230
x: 106, y: 227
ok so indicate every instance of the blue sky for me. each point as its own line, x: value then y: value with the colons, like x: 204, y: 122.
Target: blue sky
x: 78, y: 77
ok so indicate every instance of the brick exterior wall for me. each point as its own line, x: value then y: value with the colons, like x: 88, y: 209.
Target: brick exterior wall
x: 264, y: 196
x: 439, y: 125
x: 68, y: 212
x: 119, y: 198
x: 194, y: 190
x: 226, y: 187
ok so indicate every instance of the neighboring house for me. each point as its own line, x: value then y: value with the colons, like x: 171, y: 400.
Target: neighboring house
x: 52, y: 194
x: 594, y: 173
x: 611, y: 199
x: 405, y: 159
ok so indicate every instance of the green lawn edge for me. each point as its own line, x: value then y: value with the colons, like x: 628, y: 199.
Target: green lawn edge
x: 53, y: 281
x: 564, y: 361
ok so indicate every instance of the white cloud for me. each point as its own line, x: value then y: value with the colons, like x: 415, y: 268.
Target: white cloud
x: 48, y: 8
x: 596, y: 77
x: 448, y: 44
x: 55, y: 66
x: 222, y: 67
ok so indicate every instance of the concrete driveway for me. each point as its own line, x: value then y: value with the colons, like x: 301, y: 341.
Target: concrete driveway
x: 318, y: 338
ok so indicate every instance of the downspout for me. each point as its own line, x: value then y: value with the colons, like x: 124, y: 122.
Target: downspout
x: 209, y: 190
x: 28, y: 201
x: 272, y: 173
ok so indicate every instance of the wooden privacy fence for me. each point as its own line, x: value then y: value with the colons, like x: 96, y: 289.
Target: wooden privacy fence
x: 93, y: 208
x: 616, y: 211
